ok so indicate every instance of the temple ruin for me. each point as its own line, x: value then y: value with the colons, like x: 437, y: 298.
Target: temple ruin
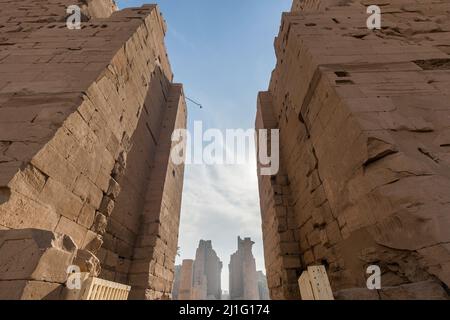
x: 243, y: 275
x: 87, y: 185
x: 86, y: 118
x: 208, y: 270
x: 200, y: 279
x: 263, y: 289
x: 184, y: 287
x: 364, y: 149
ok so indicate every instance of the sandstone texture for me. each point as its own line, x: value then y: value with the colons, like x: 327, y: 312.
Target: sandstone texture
x: 86, y: 118
x: 364, y: 120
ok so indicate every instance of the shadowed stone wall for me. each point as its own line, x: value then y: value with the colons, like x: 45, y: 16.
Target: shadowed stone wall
x: 364, y: 119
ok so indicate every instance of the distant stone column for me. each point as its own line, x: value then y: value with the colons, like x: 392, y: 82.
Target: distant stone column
x: 213, y: 270
x: 207, y: 272
x: 242, y: 267
x: 200, y: 286
x: 262, y: 286
x: 186, y: 277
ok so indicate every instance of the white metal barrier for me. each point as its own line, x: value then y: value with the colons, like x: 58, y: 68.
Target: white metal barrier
x: 99, y: 289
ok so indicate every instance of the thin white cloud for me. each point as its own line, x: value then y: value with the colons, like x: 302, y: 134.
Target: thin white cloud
x: 220, y: 203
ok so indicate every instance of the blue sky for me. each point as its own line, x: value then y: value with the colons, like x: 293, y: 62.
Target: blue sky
x: 222, y: 52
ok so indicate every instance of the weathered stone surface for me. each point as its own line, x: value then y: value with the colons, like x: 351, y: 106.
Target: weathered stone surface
x: 100, y: 9
x: 87, y: 262
x: 363, y: 118
x: 161, y: 204
x: 107, y: 206
x: 100, y: 223
x: 33, y: 263
x: 92, y: 242
x: 72, y: 229
x: 84, y: 115
x: 113, y: 189
x: 30, y: 290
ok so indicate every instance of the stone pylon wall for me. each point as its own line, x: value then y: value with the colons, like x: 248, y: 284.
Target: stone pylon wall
x: 243, y: 276
x: 364, y: 119
x: 200, y: 279
x: 185, y: 291
x: 86, y: 118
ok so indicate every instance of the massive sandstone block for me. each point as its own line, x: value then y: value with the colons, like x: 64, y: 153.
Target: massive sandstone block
x: 364, y: 119
x: 86, y: 118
